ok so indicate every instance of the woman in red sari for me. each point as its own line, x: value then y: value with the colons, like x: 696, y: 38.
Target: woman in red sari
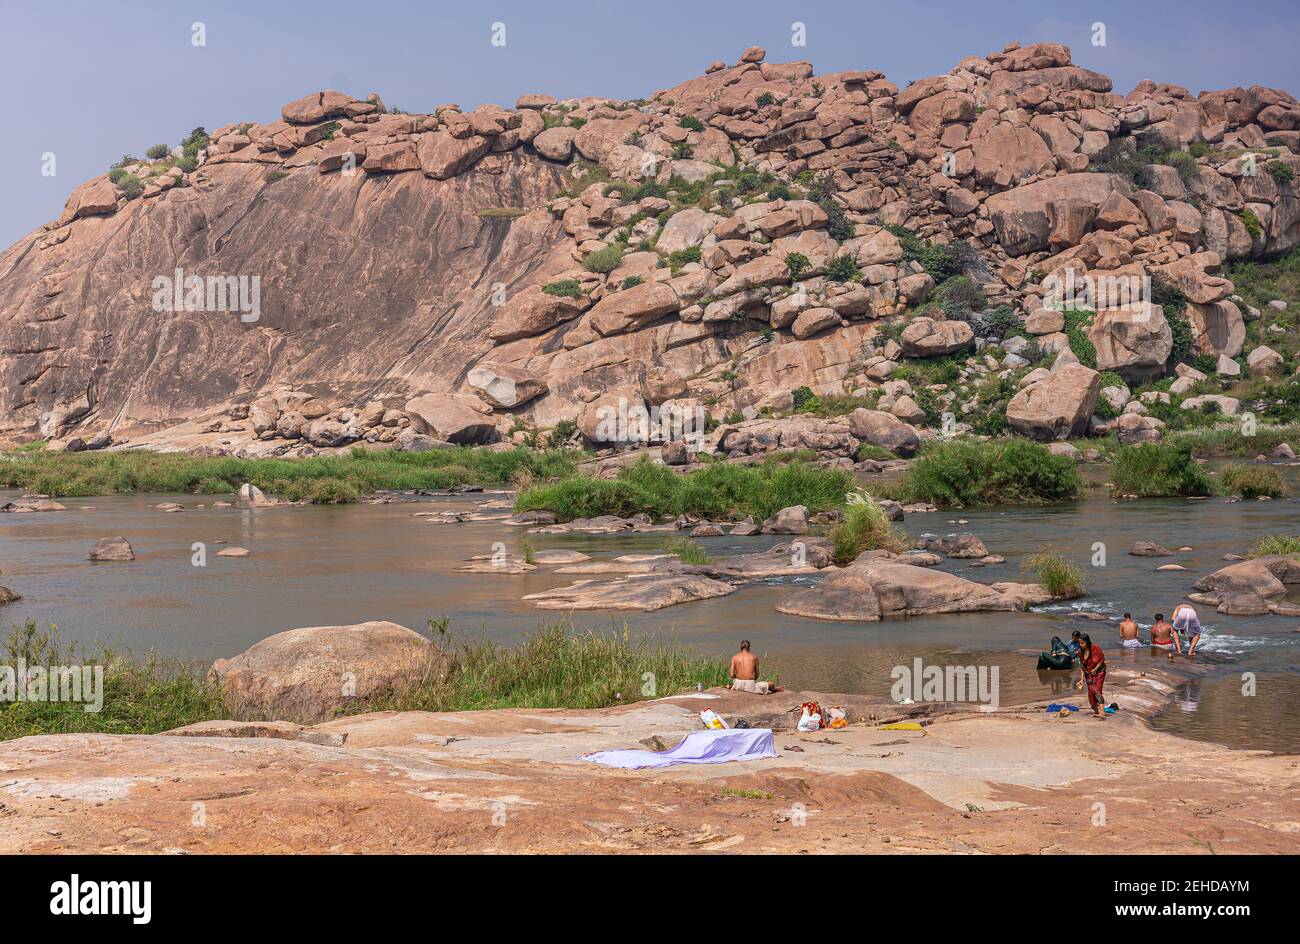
x: 1092, y: 666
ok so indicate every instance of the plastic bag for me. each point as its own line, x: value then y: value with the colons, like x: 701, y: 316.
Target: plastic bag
x: 809, y: 721
x: 713, y: 720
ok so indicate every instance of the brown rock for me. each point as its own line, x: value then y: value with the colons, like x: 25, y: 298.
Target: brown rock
x: 309, y: 674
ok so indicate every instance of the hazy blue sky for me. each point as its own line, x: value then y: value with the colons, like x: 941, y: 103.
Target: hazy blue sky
x: 90, y: 81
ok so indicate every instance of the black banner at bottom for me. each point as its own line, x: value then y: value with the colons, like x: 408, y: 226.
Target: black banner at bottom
x: 138, y: 895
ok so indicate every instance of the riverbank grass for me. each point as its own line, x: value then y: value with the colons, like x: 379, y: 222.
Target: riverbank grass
x: 555, y: 667
x: 335, y: 478
x: 716, y: 490
x: 865, y: 527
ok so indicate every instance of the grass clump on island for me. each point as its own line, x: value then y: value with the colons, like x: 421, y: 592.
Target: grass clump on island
x: 865, y: 527
x: 1275, y: 544
x: 555, y: 667
x: 1252, y: 481
x: 1000, y: 471
x: 1055, y: 572
x: 1232, y: 442
x: 334, y: 478
x: 1158, y: 470
x: 717, y: 490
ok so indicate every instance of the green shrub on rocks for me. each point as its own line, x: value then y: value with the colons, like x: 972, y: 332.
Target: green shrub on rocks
x: 566, y: 288
x: 1002, y: 471
x: 1158, y: 470
x: 604, y: 260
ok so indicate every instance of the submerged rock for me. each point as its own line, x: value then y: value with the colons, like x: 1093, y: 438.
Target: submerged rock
x: 631, y: 593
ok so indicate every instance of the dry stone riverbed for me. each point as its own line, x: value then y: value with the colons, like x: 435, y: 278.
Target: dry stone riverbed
x: 330, y: 565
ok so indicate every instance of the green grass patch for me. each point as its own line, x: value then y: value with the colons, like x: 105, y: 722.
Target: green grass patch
x: 717, y: 490
x: 335, y: 478
x: 687, y: 551
x: 865, y: 527
x: 1158, y: 470
x: 1275, y: 544
x: 1055, y: 572
x: 1252, y: 481
x: 1001, y: 471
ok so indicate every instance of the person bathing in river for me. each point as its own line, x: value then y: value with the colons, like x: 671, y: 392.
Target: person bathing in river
x: 1092, y: 674
x: 1128, y: 632
x: 1186, y: 623
x: 744, y: 672
x: 1162, y: 635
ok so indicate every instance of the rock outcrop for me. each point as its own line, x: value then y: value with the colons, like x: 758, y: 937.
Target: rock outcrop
x: 308, y: 674
x: 358, y: 261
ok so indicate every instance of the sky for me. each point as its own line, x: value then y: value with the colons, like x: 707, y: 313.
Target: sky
x: 91, y: 81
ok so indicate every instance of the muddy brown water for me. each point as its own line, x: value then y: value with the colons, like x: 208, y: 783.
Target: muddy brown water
x: 322, y: 565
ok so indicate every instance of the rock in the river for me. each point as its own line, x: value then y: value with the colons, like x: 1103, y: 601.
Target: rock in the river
x: 1149, y: 549
x: 792, y: 520
x: 308, y: 674
x: 637, y: 592
x: 233, y: 552
x: 879, y: 588
x: 8, y: 596
x: 965, y: 545
x: 1267, y: 577
x: 27, y: 505
x: 111, y: 549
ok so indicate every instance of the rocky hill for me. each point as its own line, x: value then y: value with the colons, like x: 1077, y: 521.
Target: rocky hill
x: 723, y: 244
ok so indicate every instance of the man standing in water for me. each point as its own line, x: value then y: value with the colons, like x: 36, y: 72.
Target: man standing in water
x: 1128, y: 632
x: 744, y: 671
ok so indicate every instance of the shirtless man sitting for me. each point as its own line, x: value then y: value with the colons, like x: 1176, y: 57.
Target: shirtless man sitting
x: 1128, y: 632
x: 744, y: 672
x: 1162, y: 635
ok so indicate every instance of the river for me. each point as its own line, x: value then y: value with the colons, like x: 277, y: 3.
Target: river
x: 324, y: 565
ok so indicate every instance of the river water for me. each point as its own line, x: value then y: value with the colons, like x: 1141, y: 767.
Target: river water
x: 326, y: 565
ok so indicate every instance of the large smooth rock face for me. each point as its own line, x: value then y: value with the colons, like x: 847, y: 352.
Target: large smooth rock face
x: 879, y: 588
x: 1058, y: 406
x: 1133, y: 342
x: 1217, y: 328
x: 885, y: 430
x: 638, y: 592
x: 309, y: 674
x: 453, y: 419
x: 336, y: 256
